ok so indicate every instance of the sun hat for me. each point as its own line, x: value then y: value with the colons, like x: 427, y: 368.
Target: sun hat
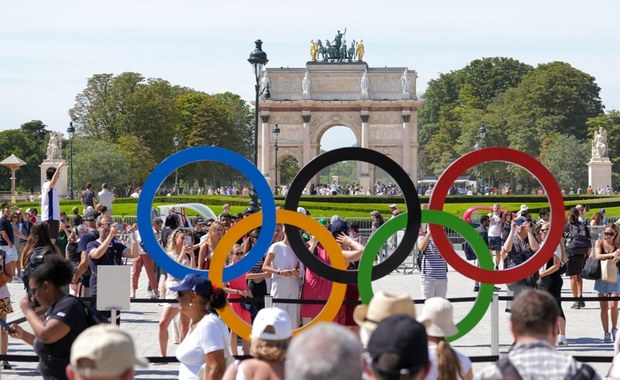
x: 271, y: 323
x: 381, y: 306
x: 403, y: 337
x: 110, y: 349
x: 437, y: 314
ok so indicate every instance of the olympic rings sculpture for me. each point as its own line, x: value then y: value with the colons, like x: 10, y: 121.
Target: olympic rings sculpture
x: 367, y: 272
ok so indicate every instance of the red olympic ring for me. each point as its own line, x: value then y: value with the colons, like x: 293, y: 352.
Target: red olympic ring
x: 556, y: 202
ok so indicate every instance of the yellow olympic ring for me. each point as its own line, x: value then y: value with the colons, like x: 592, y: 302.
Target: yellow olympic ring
x: 334, y: 302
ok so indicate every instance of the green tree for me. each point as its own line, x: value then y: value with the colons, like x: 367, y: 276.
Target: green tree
x: 98, y: 161
x: 288, y: 169
x: 567, y: 158
x: 137, y: 157
x: 242, y: 122
x: 554, y: 97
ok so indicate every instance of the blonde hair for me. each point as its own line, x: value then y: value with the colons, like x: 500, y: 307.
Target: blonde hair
x: 269, y: 350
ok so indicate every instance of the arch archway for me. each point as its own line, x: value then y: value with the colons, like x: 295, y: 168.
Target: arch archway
x: 382, y: 115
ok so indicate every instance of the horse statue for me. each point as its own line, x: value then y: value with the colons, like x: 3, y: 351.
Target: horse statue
x: 343, y: 52
x: 322, y: 50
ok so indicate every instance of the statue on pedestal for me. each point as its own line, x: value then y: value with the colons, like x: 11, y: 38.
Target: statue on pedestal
x: 599, y: 144
x: 54, y: 146
x: 404, y: 83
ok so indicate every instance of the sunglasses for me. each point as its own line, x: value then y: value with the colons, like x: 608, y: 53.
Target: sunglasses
x: 105, y: 225
x: 610, y: 233
x: 239, y: 253
x: 544, y: 230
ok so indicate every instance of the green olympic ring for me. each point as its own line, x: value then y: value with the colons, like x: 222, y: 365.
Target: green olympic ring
x: 485, y: 296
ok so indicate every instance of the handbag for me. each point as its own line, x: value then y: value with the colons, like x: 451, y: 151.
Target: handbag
x: 592, y: 269
x: 228, y: 356
x: 609, y: 271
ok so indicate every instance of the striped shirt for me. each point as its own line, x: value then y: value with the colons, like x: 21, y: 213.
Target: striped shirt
x: 433, y: 264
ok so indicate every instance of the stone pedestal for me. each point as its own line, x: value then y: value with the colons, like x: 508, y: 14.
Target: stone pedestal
x: 62, y: 183
x: 599, y: 173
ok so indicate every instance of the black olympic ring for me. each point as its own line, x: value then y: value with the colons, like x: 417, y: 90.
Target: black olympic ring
x: 412, y: 202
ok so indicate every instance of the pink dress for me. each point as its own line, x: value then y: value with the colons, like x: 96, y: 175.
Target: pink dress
x: 315, y: 287
x: 241, y: 284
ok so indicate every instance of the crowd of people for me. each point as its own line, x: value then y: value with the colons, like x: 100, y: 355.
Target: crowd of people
x: 374, y: 341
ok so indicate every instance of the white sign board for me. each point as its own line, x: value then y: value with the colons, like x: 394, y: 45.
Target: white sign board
x: 113, y: 287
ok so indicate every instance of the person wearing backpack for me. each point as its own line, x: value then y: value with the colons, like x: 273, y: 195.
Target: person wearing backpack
x: 64, y: 320
x: 551, y: 279
x: 38, y: 245
x: 579, y: 246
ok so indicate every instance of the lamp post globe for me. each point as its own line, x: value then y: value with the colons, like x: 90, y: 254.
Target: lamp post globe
x: 71, y: 132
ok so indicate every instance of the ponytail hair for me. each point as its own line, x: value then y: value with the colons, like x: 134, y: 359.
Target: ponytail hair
x: 448, y: 364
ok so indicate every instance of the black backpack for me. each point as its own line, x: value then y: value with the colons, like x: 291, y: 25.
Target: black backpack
x: 34, y: 261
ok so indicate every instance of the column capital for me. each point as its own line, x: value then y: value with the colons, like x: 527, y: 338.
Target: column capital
x: 265, y: 118
x: 406, y: 118
x: 364, y: 118
x: 306, y: 118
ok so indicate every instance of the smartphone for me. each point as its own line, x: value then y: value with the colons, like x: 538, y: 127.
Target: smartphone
x: 119, y: 226
x: 519, y: 222
x: 6, y: 326
x: 187, y: 241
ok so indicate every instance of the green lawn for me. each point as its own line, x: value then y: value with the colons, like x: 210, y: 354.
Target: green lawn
x: 322, y: 208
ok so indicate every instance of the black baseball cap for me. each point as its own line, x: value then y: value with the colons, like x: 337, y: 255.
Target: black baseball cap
x: 404, y: 339
x: 199, y: 220
x: 91, y: 215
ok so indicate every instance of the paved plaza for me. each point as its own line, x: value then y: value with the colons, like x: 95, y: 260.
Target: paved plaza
x: 584, y: 330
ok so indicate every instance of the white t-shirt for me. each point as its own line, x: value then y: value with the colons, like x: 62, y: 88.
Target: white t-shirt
x: 284, y: 258
x: 50, y: 205
x: 206, y: 337
x: 495, y: 225
x: 432, y: 355
x: 105, y: 197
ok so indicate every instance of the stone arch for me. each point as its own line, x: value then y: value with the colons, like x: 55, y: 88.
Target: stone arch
x: 383, y: 117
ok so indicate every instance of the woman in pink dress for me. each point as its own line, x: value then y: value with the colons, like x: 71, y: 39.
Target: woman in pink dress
x: 236, y: 289
x: 314, y: 287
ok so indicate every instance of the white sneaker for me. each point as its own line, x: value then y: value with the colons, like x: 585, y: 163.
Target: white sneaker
x: 562, y: 341
x: 607, y: 338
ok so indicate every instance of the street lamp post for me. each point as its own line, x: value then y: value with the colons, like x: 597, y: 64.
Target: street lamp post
x: 175, y: 140
x: 482, y: 132
x: 478, y: 178
x: 71, y: 132
x: 276, y: 132
x: 258, y: 60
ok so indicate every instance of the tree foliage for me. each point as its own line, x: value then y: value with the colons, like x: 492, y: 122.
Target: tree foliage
x: 567, y: 158
x: 98, y: 161
x: 521, y: 107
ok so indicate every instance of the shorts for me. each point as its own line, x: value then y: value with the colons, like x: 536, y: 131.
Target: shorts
x: 54, y: 227
x: 495, y: 243
x: 5, y: 306
x: 575, y: 264
x: 11, y: 253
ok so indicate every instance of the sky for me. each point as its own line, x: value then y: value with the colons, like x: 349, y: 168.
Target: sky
x: 48, y: 49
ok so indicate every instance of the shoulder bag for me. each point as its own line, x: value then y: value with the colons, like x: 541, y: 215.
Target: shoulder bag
x: 592, y: 269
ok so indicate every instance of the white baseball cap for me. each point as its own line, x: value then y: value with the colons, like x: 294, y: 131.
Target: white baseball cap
x: 272, y: 323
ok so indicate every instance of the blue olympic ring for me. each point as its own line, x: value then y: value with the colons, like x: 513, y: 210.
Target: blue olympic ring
x: 188, y: 156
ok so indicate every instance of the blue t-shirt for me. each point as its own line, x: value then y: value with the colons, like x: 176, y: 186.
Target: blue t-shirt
x: 112, y: 256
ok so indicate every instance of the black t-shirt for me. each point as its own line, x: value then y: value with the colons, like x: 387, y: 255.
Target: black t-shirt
x: 87, y: 238
x: 75, y: 256
x: 5, y: 225
x: 54, y: 357
x: 112, y: 256
x: 88, y: 196
x: 76, y: 220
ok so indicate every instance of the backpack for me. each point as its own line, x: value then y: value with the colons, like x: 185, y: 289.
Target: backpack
x: 93, y: 316
x: 469, y: 251
x: 35, y: 259
x: 577, y: 236
x: 510, y: 372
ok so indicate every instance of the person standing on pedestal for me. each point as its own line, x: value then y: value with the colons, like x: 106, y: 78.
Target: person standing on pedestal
x: 50, y: 204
